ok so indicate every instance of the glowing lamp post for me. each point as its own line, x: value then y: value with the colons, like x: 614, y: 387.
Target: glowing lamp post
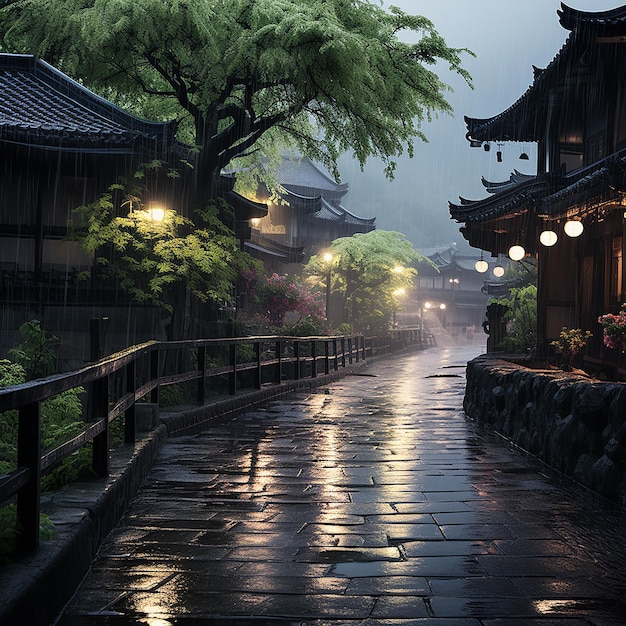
x: 328, y: 259
x: 156, y: 213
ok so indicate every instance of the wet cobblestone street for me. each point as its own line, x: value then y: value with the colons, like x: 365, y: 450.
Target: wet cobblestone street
x: 371, y: 501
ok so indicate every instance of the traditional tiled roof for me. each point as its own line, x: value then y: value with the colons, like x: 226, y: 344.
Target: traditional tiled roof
x: 301, y: 175
x: 549, y: 194
x: 448, y: 258
x: 553, y: 193
x: 506, y: 200
x: 309, y: 189
x: 271, y: 248
x: 605, y: 20
x: 338, y: 214
x: 40, y: 106
x: 525, y: 119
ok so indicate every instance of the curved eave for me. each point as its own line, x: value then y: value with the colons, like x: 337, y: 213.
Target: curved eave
x: 514, y: 179
x: 509, y: 202
x: 339, y: 214
x: 244, y: 208
x: 593, y: 188
x: 310, y: 191
x: 572, y: 19
x: 272, y: 248
x: 524, y: 119
x: 306, y: 203
x: 551, y: 195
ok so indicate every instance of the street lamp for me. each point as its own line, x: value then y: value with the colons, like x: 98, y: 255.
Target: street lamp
x: 328, y: 258
x: 155, y: 213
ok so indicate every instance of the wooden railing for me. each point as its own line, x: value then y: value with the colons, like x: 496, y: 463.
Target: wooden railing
x: 115, y: 385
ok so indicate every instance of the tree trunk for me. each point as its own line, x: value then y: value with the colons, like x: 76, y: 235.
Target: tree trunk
x: 179, y: 325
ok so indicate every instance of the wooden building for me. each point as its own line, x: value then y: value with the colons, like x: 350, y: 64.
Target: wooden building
x: 452, y: 281
x: 62, y: 146
x: 570, y: 215
x: 305, y: 218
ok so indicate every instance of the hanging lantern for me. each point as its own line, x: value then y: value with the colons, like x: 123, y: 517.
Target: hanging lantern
x: 573, y: 228
x: 516, y: 253
x: 481, y: 266
x: 548, y: 238
x: 498, y: 271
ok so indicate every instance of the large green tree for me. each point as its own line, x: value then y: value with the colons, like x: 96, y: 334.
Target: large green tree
x: 363, y: 276
x: 171, y: 262
x: 248, y: 77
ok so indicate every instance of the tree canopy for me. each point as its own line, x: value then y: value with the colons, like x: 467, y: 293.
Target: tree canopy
x: 159, y: 261
x: 245, y: 78
x: 368, y: 273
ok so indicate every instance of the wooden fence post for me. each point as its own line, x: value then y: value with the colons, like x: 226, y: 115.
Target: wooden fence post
x: 130, y: 418
x: 232, y: 376
x: 100, y: 404
x: 28, y: 455
x: 200, y: 392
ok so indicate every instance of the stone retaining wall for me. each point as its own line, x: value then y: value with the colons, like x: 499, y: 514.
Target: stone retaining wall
x: 574, y: 424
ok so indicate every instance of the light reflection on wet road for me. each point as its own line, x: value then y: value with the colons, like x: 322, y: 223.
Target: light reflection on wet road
x: 371, y: 501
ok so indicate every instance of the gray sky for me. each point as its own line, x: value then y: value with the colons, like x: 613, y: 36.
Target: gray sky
x: 508, y: 37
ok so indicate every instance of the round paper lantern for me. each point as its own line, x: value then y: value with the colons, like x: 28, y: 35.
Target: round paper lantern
x: 481, y: 266
x: 548, y: 238
x: 498, y: 271
x: 516, y: 253
x: 573, y: 228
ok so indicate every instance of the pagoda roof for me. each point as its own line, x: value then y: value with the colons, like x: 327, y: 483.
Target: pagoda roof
x: 271, y: 248
x: 524, y: 120
x: 448, y: 258
x: 551, y: 194
x: 306, y: 187
x: 503, y: 201
x: 301, y: 176
x: 506, y: 213
x: 328, y: 211
x: 41, y: 106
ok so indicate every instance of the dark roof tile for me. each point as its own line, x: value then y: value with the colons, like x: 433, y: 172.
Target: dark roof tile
x: 41, y: 106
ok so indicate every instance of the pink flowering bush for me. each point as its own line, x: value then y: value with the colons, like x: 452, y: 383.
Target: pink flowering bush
x: 282, y: 304
x: 614, y: 329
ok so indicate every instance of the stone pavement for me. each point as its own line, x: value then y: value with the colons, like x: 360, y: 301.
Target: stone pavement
x: 371, y: 501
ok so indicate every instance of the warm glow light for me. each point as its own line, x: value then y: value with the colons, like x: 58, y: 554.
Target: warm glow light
x: 255, y: 221
x: 442, y: 306
x: 427, y: 305
x: 398, y: 269
x: 498, y: 271
x: 516, y: 253
x: 548, y: 238
x: 156, y: 213
x: 328, y: 257
x: 573, y: 228
x: 399, y: 292
x: 481, y: 266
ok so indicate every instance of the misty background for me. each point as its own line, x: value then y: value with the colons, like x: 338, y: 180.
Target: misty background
x: 508, y: 38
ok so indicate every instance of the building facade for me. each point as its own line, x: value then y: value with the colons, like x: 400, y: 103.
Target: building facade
x: 62, y: 146
x: 570, y: 215
x: 304, y: 218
